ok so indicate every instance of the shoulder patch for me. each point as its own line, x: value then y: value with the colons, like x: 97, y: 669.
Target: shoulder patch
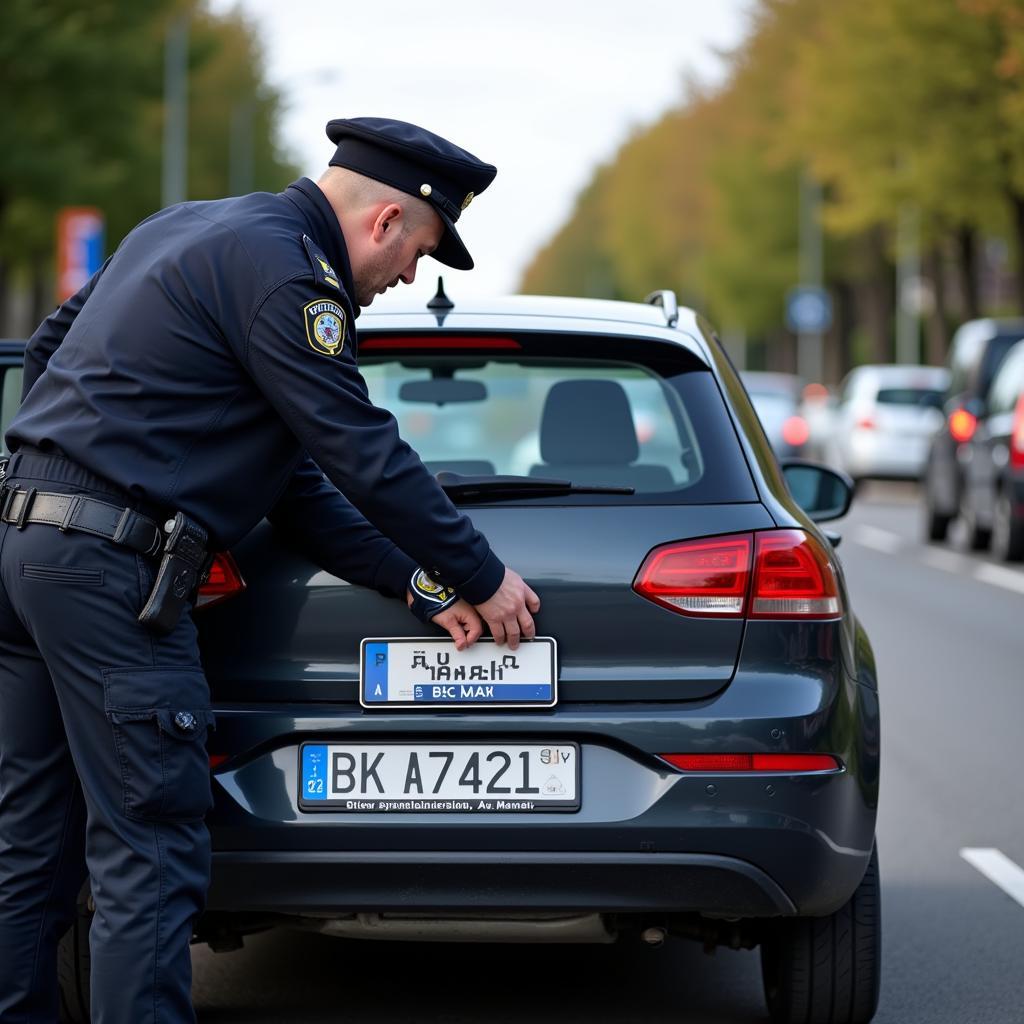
x: 325, y: 326
x: 322, y: 270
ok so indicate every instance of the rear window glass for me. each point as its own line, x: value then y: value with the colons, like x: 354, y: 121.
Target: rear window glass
x: 908, y: 396
x: 590, y: 421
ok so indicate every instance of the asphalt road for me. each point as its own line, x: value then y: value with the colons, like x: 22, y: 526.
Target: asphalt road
x: 948, y: 631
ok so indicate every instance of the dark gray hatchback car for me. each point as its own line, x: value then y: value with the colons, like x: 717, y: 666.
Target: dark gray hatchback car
x: 691, y: 745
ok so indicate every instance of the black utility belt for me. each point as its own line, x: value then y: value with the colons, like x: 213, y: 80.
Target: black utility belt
x: 181, y: 543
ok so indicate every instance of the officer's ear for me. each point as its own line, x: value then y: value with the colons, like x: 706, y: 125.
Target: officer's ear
x: 386, y: 223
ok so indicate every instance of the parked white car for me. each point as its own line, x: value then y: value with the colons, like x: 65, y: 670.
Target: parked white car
x: 885, y: 419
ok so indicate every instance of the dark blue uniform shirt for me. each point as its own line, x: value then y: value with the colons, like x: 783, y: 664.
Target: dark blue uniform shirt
x: 210, y: 366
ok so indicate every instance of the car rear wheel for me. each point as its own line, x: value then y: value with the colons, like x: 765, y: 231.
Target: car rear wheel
x: 1007, y: 530
x: 978, y: 537
x: 73, y: 964
x: 936, y: 525
x: 826, y: 970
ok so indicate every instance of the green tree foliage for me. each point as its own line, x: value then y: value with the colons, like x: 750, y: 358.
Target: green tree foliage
x: 83, y: 118
x: 890, y: 104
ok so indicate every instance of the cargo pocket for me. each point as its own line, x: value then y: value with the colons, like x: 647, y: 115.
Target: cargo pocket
x: 159, y: 718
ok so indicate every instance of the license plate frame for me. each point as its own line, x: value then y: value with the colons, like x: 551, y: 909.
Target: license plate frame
x: 379, y: 690
x: 429, y: 803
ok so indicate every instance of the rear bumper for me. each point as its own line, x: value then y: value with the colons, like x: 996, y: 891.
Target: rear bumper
x: 494, y: 883
x: 646, y: 838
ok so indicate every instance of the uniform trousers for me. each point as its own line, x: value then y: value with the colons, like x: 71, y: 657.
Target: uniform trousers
x: 100, y: 772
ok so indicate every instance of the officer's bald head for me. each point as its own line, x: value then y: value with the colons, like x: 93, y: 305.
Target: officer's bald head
x: 356, y: 192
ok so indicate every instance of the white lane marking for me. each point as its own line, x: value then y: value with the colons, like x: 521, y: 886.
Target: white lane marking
x: 879, y: 540
x: 948, y: 561
x: 1010, y: 579
x: 997, y: 868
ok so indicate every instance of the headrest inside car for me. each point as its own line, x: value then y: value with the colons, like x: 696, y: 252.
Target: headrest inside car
x: 588, y: 422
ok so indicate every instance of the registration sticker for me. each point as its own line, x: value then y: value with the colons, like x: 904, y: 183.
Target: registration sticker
x: 430, y: 673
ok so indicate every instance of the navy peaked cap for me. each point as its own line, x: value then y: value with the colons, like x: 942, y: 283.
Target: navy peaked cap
x: 419, y: 162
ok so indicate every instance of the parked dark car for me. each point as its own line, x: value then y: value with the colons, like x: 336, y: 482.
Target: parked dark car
x: 993, y: 500
x: 696, y: 752
x: 978, y: 347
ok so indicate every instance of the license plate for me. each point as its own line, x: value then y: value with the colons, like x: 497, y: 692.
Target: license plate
x: 453, y: 778
x: 431, y: 673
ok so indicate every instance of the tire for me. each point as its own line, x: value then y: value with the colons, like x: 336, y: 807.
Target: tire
x: 73, y: 964
x: 826, y: 970
x: 978, y: 537
x: 936, y: 525
x: 1007, y: 530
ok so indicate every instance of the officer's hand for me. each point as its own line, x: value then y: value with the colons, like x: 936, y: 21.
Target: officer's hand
x: 462, y: 621
x: 507, y: 612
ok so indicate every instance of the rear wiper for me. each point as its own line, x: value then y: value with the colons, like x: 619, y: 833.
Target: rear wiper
x: 500, y: 488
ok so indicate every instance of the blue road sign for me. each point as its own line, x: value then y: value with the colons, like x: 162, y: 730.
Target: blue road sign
x: 808, y: 309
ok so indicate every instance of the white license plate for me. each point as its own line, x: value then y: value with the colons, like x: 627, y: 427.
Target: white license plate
x: 458, y: 777
x: 430, y: 673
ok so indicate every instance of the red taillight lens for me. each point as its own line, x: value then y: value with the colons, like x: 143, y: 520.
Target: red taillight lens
x: 216, y: 760
x: 753, y: 762
x: 865, y: 423
x: 224, y: 581
x: 793, y: 578
x: 795, y: 431
x: 1017, y: 436
x: 962, y: 425
x: 438, y: 342
x: 702, y: 577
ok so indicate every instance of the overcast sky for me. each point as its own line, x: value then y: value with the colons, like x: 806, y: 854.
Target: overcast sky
x: 544, y: 89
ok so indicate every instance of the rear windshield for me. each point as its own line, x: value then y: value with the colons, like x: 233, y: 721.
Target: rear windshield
x: 661, y: 429
x: 908, y: 396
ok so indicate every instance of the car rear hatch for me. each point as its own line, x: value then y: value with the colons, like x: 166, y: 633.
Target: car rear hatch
x: 640, y: 414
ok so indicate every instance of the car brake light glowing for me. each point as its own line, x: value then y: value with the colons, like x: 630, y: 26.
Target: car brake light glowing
x: 224, y: 581
x: 795, y: 431
x: 793, y: 578
x: 865, y: 423
x: 753, y: 762
x: 437, y: 343
x: 962, y: 425
x: 1017, y: 435
x: 703, y: 577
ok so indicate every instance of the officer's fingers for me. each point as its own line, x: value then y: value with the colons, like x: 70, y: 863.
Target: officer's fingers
x: 527, y: 627
x: 474, y: 629
x: 450, y: 622
x: 497, y: 628
x: 512, y: 633
x: 532, y: 600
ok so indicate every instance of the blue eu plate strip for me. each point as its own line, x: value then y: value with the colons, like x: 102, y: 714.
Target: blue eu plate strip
x: 375, y: 672
x: 314, y: 772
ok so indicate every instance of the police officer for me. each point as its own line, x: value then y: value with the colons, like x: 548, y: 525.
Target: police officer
x: 200, y: 381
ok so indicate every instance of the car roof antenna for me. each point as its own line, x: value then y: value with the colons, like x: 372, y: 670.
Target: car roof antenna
x: 440, y: 304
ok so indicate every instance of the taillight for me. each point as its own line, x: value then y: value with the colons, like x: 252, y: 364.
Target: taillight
x: 1017, y: 436
x: 962, y: 425
x: 785, y: 574
x: 753, y: 762
x: 865, y: 423
x: 698, y: 577
x: 224, y: 581
x: 793, y: 578
x: 795, y: 431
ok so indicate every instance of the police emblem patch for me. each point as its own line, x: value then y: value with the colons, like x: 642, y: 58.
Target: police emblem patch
x: 325, y: 326
x: 430, y: 589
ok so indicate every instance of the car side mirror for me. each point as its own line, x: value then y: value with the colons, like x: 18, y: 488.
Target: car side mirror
x: 821, y: 492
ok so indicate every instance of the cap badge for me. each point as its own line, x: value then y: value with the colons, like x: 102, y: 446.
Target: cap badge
x: 467, y: 200
x: 425, y: 190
